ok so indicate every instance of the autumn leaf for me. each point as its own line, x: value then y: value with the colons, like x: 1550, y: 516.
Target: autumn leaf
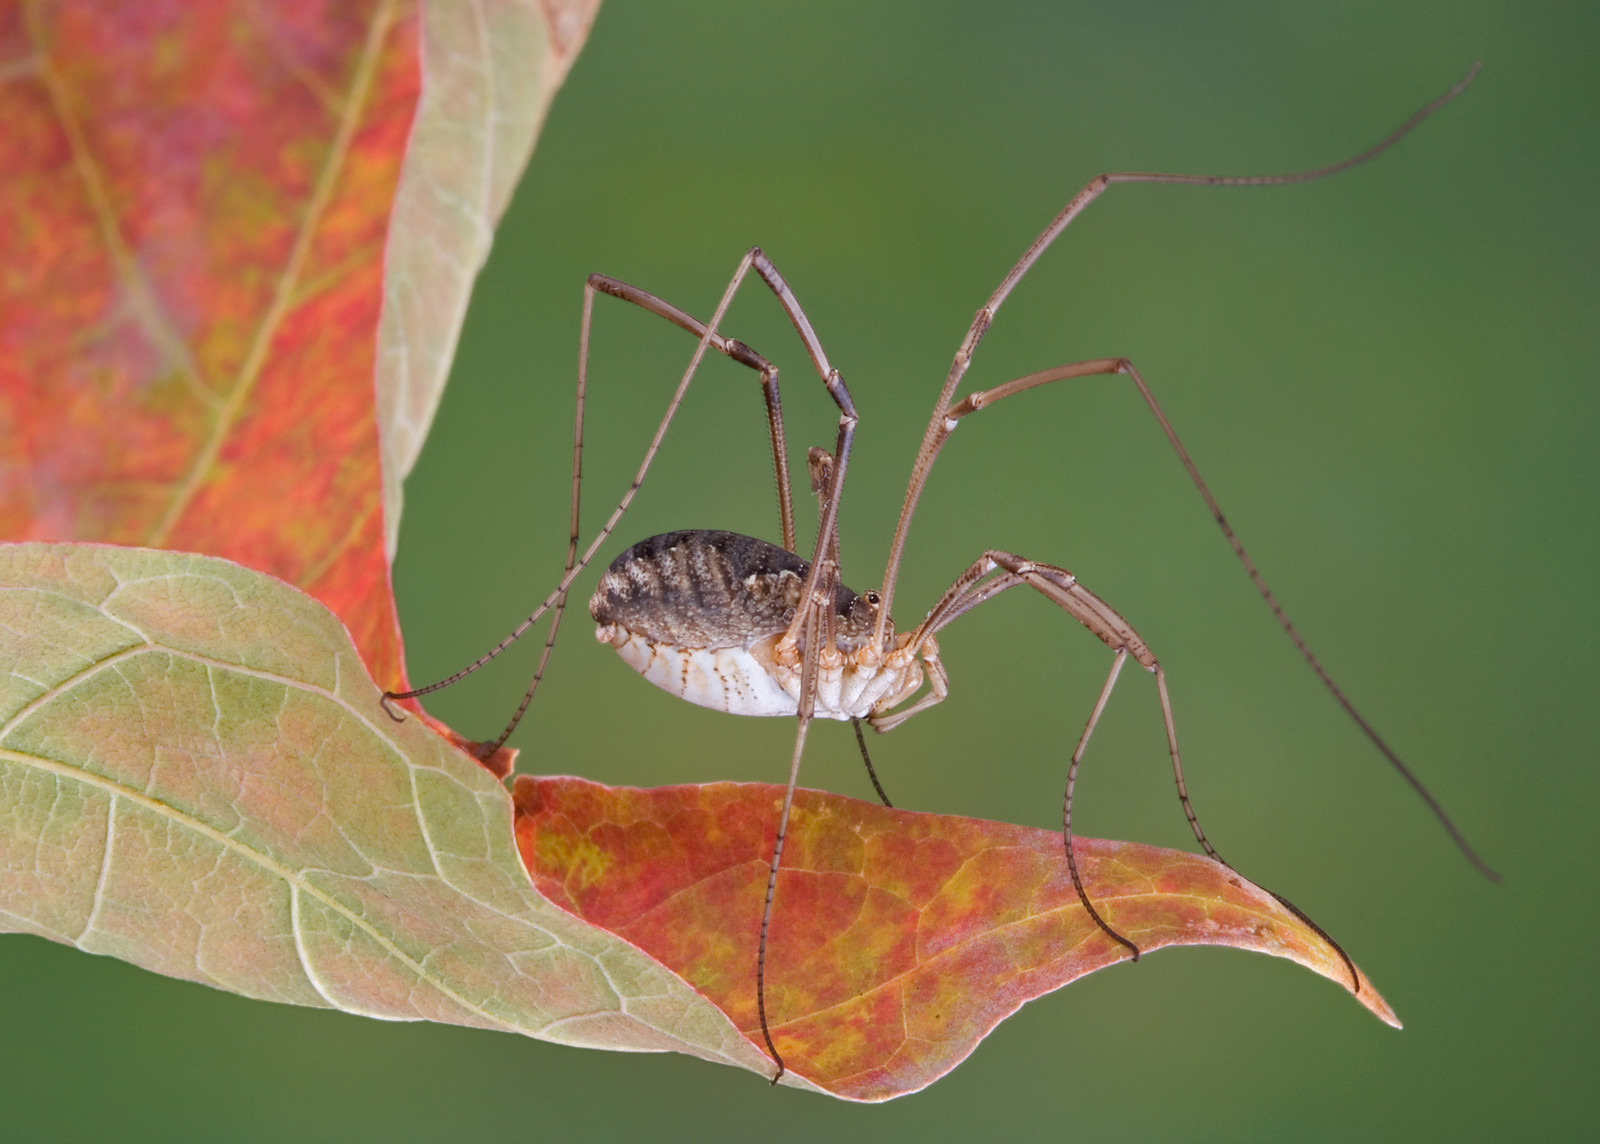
x: 898, y: 939
x: 197, y: 210
x: 241, y: 244
x: 205, y: 211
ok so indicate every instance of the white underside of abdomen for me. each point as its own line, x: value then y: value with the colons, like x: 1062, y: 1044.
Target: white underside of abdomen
x: 747, y: 681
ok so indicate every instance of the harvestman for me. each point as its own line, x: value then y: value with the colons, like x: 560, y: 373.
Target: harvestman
x: 749, y: 627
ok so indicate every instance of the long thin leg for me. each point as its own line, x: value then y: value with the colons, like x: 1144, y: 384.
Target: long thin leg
x: 817, y: 593
x: 861, y: 741
x: 806, y: 707
x: 947, y: 416
x: 1006, y: 570
x: 938, y: 424
x: 740, y: 353
x: 819, y: 463
x: 1062, y: 587
x: 814, y: 615
x: 971, y: 589
x: 487, y: 752
x: 1205, y: 843
x: 816, y: 610
x: 1066, y: 802
x: 1102, y: 366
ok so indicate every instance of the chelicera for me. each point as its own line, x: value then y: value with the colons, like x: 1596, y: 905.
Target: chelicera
x: 750, y: 627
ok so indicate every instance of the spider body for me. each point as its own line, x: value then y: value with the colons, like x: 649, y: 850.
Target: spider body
x: 702, y: 614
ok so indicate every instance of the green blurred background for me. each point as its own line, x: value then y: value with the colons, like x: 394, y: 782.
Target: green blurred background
x: 1388, y: 378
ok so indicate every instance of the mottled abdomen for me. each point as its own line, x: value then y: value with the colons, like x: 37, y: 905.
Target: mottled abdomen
x: 699, y: 613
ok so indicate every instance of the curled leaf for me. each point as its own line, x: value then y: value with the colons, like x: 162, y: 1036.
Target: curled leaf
x: 491, y: 74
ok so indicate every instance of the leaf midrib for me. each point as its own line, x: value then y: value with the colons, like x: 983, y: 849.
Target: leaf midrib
x: 290, y: 877
x: 283, y: 295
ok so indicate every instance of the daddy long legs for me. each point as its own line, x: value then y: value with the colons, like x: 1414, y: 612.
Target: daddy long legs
x: 750, y: 627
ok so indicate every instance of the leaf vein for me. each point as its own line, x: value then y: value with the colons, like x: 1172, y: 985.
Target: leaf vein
x: 243, y: 383
x: 142, y: 295
x: 104, y: 876
x: 290, y: 877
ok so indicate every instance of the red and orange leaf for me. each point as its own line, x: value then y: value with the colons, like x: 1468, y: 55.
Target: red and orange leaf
x: 898, y: 939
x: 194, y: 214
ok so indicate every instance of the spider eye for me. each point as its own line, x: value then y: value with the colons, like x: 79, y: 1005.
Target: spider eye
x: 873, y: 598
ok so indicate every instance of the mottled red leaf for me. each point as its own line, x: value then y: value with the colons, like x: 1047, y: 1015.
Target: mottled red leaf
x: 898, y: 939
x: 194, y: 211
